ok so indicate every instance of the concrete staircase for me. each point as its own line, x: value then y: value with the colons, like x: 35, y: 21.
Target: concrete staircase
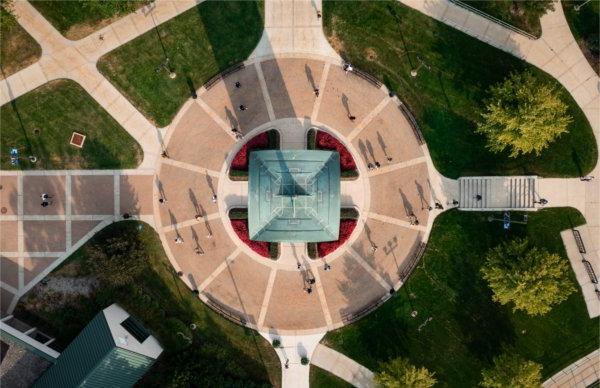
x: 493, y: 193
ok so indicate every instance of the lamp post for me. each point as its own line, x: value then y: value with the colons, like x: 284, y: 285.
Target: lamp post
x: 578, y: 6
x: 415, y: 72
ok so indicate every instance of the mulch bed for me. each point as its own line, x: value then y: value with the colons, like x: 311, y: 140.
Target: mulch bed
x: 326, y: 141
x: 240, y: 161
x: 241, y: 229
x: 346, y: 229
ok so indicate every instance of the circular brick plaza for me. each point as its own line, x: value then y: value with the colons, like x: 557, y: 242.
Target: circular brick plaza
x: 292, y: 96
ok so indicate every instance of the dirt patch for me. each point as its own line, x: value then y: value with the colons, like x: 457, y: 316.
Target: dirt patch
x: 336, y: 43
x: 334, y: 40
x: 371, y: 54
x: 80, y: 31
x: 57, y: 291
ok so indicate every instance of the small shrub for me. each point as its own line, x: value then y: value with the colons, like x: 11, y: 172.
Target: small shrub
x: 311, y: 139
x: 311, y: 250
x: 349, y: 213
x: 349, y: 175
x: 274, y: 250
x: 238, y: 175
x: 304, y: 361
x: 238, y: 213
x: 276, y: 343
x: 274, y: 139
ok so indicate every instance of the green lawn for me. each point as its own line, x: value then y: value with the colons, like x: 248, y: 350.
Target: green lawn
x: 17, y: 48
x: 199, y: 44
x: 76, y: 19
x: 387, y: 39
x: 57, y: 109
x: 320, y: 378
x: 222, y: 353
x: 512, y: 12
x: 467, y: 328
x: 584, y: 25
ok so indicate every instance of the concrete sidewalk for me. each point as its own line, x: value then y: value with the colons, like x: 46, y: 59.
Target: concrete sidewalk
x: 342, y: 366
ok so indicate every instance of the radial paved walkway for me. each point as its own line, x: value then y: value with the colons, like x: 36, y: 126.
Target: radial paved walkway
x: 281, y: 92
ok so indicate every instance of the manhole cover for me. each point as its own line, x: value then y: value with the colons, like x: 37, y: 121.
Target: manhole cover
x: 3, y: 210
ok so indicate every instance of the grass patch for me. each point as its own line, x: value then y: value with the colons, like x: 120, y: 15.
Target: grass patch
x: 57, y: 109
x: 17, y: 48
x: 221, y: 353
x: 199, y: 44
x: 511, y: 12
x: 320, y: 378
x: 467, y: 328
x: 385, y: 38
x: 584, y: 25
x: 79, y: 18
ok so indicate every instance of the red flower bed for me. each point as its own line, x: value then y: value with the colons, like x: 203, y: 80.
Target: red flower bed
x: 241, y: 229
x: 327, y: 142
x: 346, y: 229
x: 240, y: 161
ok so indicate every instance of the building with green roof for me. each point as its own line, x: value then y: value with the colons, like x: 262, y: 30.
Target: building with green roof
x: 113, y: 350
x: 294, y: 195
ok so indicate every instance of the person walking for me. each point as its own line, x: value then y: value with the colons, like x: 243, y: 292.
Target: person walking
x: 238, y: 84
x: 178, y: 240
x: 317, y: 92
x: 243, y: 107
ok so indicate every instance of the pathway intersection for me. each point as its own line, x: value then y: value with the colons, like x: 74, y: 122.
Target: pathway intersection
x: 292, y: 58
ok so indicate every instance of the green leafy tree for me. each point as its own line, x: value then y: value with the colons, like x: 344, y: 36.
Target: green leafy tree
x: 512, y: 371
x: 523, y: 115
x: 119, y: 261
x: 400, y: 373
x: 531, y: 278
x: 534, y: 8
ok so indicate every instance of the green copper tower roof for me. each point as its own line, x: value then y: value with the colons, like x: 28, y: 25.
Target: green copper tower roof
x: 294, y: 196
